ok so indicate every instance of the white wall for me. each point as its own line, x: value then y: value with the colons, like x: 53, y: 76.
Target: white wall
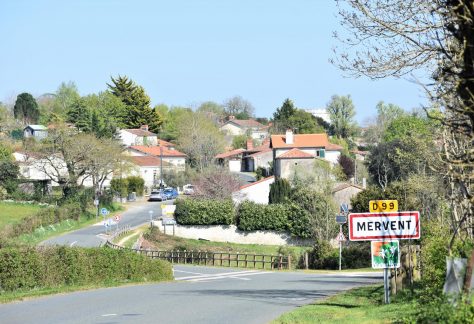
x: 257, y: 192
x: 127, y: 138
x: 232, y: 129
x: 332, y: 156
x: 230, y: 233
x: 235, y: 165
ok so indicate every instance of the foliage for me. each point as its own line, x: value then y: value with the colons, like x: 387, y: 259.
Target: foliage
x: 213, y: 110
x: 177, y: 179
x: 323, y: 256
x: 26, y: 109
x: 262, y: 172
x: 409, y: 127
x: 136, y: 184
x: 240, y: 141
x: 204, y: 212
x: 119, y: 186
x: 279, y: 191
x: 54, y: 107
x: 347, y: 165
x: 386, y: 113
x: 33, y: 268
x: 289, y: 117
x: 238, y: 107
x: 215, y: 183
x: 341, y: 112
x: 440, y: 310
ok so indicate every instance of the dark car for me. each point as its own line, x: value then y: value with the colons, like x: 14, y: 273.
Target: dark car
x: 157, y: 195
x: 171, y: 193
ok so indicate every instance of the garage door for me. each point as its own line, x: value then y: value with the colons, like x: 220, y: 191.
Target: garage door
x: 234, y: 165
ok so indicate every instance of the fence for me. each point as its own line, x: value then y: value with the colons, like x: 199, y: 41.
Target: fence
x: 222, y: 259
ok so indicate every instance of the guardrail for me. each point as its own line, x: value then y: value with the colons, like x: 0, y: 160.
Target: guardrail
x: 223, y: 259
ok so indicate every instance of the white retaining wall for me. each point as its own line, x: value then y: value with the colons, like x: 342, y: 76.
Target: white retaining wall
x: 231, y: 234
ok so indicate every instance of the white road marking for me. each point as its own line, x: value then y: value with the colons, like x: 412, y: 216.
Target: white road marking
x: 73, y: 243
x: 105, y: 315
x: 225, y: 277
x: 204, y: 275
x: 197, y: 273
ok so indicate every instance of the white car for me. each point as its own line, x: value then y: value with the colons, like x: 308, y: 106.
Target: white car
x: 188, y: 189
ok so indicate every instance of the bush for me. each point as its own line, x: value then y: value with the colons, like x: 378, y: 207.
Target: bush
x: 279, y: 191
x: 356, y: 256
x: 32, y: 268
x: 119, y: 186
x: 323, y: 256
x: 136, y: 184
x: 253, y: 217
x: 204, y: 212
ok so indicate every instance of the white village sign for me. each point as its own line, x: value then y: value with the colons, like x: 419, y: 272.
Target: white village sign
x: 375, y: 226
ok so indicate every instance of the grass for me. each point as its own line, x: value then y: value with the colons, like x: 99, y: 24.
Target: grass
x: 11, y: 213
x: 359, y: 305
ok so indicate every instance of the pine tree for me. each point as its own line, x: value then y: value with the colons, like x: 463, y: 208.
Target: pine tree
x: 26, y: 109
x: 79, y: 114
x: 279, y: 191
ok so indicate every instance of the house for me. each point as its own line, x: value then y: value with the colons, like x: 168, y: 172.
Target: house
x: 249, y: 127
x: 259, y: 156
x: 38, y: 132
x: 360, y: 155
x: 175, y: 158
x: 149, y: 168
x: 290, y: 150
x: 138, y: 136
x: 231, y: 159
x: 343, y: 192
x: 257, y: 191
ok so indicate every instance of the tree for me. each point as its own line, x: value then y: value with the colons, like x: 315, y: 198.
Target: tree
x: 289, y: 117
x: 137, y: 101
x: 9, y: 170
x: 213, y: 110
x: 341, y: 112
x: 238, y: 107
x: 347, y: 165
x: 54, y: 106
x: 279, y: 191
x: 199, y: 138
x: 215, y: 183
x: 437, y: 40
x: 26, y: 109
x: 240, y: 141
x: 80, y: 115
x: 386, y: 113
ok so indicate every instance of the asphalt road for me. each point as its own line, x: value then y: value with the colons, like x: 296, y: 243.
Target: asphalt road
x: 137, y: 213
x: 200, y: 295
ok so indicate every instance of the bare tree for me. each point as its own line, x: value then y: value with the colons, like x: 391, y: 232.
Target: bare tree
x: 215, y: 183
x: 239, y: 107
x: 394, y: 38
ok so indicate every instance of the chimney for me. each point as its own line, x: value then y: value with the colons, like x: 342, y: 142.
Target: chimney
x: 144, y: 127
x: 289, y: 136
x: 249, y: 144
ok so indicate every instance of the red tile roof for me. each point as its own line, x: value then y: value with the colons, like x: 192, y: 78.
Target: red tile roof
x: 247, y: 123
x: 260, y: 152
x: 148, y: 161
x: 333, y: 147
x: 300, y: 140
x: 140, y: 132
x: 229, y: 154
x: 295, y: 154
x: 155, y: 151
x: 165, y: 143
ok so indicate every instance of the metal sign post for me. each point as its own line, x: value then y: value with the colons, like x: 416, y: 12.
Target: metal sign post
x: 341, y: 219
x: 386, y: 255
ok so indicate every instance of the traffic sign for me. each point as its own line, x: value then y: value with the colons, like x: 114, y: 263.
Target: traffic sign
x: 104, y: 211
x: 117, y: 218
x: 341, y: 219
x: 385, y: 254
x: 383, y: 206
x: 340, y: 237
x: 344, y: 208
x: 376, y: 226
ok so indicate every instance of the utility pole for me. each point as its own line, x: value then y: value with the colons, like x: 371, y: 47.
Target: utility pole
x: 161, y: 166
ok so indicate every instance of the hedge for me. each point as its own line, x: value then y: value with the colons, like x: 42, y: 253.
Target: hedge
x: 46, y: 267
x: 276, y: 217
x: 204, y: 212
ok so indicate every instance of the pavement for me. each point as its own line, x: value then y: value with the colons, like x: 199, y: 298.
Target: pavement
x: 136, y: 214
x: 199, y: 295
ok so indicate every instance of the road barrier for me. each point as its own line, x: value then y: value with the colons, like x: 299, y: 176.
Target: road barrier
x: 222, y: 259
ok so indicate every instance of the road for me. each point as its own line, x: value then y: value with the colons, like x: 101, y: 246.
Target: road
x: 137, y: 213
x: 200, y: 295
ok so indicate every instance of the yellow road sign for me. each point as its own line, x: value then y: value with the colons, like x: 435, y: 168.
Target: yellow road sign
x: 382, y: 206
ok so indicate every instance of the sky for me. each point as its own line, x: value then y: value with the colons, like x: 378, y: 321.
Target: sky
x: 187, y: 52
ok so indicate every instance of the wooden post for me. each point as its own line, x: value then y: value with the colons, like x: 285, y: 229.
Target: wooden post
x: 306, y: 260
x: 228, y: 258
x: 470, y: 267
x: 289, y: 261
x: 280, y: 261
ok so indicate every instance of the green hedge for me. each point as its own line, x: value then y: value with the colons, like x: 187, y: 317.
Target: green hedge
x: 276, y: 217
x: 32, y: 268
x: 204, y: 212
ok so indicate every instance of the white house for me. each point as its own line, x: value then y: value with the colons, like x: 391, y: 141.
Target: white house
x: 36, y: 131
x: 138, y: 136
x: 257, y: 191
x: 149, y: 168
x: 290, y: 150
x: 231, y: 159
x: 250, y: 127
x: 175, y: 158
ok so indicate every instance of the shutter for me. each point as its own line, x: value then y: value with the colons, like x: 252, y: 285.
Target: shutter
x: 321, y: 153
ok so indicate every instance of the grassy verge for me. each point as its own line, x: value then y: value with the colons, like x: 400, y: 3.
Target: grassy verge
x: 43, y: 233
x: 359, y: 305
x: 11, y: 213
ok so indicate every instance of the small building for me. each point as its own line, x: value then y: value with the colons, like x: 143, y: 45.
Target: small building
x: 249, y: 127
x: 38, y: 132
x: 231, y: 159
x: 257, y: 191
x: 343, y: 192
x: 174, y: 157
x: 149, y: 168
x: 138, y: 136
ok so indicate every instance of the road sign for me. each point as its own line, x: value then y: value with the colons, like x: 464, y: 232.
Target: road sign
x: 385, y: 254
x: 344, y: 208
x: 168, y: 221
x: 104, y: 211
x: 117, y: 218
x: 340, y: 237
x: 383, y: 206
x: 341, y: 219
x: 377, y: 226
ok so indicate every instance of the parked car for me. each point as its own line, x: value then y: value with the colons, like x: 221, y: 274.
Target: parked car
x: 157, y: 195
x: 188, y: 189
x: 171, y: 193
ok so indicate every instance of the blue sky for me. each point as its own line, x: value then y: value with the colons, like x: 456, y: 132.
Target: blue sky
x: 186, y: 52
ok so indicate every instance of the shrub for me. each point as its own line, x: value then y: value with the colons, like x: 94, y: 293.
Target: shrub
x: 204, y: 212
x: 31, y: 268
x: 323, y: 256
x: 299, y: 221
x: 356, y: 255
x: 279, y: 191
x: 119, y: 186
x: 252, y: 217
x: 136, y: 184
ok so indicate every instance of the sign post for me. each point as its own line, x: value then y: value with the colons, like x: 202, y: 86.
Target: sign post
x: 151, y: 218
x: 385, y: 255
x: 341, y: 219
x: 96, y: 204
